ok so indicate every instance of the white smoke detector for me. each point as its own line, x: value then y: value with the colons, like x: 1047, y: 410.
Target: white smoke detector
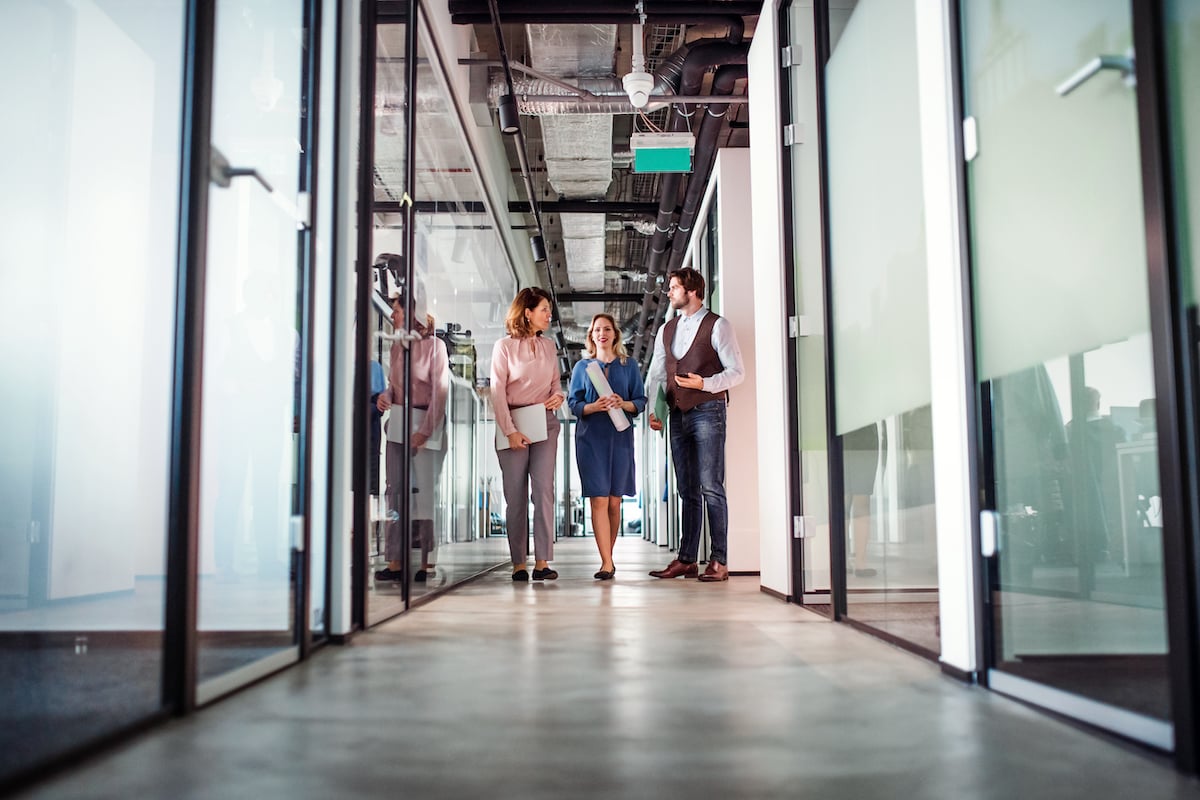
x: 638, y: 85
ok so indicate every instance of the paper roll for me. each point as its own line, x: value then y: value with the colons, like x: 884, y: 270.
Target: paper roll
x: 619, y: 420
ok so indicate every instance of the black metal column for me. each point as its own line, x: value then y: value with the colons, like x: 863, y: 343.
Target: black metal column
x: 1174, y: 337
x: 179, y: 641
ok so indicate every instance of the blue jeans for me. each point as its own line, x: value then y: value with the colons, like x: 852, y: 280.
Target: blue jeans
x: 698, y: 450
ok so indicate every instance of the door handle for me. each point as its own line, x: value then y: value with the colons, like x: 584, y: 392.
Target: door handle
x: 989, y: 533
x: 222, y: 174
x: 402, y: 335
x: 1124, y: 64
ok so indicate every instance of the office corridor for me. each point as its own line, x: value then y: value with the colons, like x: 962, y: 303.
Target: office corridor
x: 634, y: 688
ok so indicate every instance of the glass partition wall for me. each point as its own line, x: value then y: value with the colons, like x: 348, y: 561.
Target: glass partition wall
x: 459, y: 285
x: 1063, y: 348
x: 878, y: 320
x: 252, y: 480
x: 87, y: 319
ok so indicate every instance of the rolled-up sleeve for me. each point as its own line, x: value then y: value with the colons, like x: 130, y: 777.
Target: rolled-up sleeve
x: 725, y: 343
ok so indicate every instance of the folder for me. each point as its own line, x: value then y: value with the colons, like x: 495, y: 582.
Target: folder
x: 530, y: 420
x: 395, y: 428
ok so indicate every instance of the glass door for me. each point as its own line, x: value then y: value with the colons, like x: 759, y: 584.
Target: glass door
x: 1073, y: 534
x: 250, y: 517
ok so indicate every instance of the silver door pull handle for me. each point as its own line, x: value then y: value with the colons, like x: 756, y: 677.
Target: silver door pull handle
x: 1123, y: 64
x: 222, y: 174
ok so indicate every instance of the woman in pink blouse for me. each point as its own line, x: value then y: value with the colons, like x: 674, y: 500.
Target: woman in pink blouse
x: 525, y: 373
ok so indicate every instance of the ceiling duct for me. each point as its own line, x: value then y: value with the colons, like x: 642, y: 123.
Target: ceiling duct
x: 578, y: 147
x: 583, y: 243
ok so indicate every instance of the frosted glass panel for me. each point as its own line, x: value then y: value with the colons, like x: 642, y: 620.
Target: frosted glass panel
x: 876, y: 217
x: 249, y: 483
x: 1057, y: 181
x: 88, y: 221
x: 1183, y: 59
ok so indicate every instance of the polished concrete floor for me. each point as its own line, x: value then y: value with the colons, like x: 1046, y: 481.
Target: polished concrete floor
x: 634, y: 688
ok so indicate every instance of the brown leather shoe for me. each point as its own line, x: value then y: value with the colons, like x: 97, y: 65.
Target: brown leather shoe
x: 675, y: 569
x: 715, y: 571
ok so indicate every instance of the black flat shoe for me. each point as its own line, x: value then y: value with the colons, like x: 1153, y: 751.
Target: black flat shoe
x: 604, y: 575
x: 546, y: 574
x: 521, y: 576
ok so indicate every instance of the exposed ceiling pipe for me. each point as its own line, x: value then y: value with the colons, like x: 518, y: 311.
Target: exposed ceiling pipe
x: 611, y: 12
x: 705, y: 157
x: 699, y: 60
x: 610, y: 96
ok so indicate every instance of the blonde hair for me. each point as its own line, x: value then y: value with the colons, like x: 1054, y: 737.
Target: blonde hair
x: 618, y: 345
x: 529, y: 298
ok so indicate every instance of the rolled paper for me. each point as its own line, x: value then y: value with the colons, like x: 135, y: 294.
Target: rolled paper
x: 619, y: 420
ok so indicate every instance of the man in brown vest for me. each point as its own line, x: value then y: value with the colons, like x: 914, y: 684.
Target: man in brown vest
x: 696, y: 361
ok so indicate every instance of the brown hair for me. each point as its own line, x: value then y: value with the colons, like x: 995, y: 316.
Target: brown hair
x: 618, y: 345
x: 527, y: 299
x: 690, y: 280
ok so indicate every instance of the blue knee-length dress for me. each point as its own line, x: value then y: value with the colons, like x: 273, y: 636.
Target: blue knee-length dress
x: 603, y: 454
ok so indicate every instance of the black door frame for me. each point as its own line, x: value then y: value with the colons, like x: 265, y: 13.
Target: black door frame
x: 1173, y: 336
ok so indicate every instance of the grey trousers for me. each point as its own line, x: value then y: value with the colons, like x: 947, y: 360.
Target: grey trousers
x: 521, y: 468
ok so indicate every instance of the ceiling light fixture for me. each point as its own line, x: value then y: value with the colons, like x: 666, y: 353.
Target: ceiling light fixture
x: 506, y: 107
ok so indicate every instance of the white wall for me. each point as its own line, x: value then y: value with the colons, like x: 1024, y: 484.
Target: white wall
x: 345, y: 249
x: 769, y: 320
x: 735, y: 259
x: 947, y: 346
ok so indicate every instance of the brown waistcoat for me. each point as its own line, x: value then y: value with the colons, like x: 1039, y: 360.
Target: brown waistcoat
x: 700, y: 359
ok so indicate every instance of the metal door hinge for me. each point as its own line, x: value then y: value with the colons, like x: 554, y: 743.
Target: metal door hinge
x: 790, y: 56
x: 793, y: 133
x: 803, y: 526
x: 793, y: 328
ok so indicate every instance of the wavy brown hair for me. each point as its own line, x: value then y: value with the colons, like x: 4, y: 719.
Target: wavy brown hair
x: 618, y: 345
x: 527, y: 299
x: 690, y: 280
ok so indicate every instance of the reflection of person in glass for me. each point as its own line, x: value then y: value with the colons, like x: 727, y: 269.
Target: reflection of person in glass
x: 1032, y: 473
x: 525, y: 373
x: 603, y: 454
x: 1097, y: 510
x: 860, y: 457
x: 430, y: 370
x: 258, y: 372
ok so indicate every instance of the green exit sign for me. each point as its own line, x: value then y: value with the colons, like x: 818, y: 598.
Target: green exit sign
x: 662, y: 152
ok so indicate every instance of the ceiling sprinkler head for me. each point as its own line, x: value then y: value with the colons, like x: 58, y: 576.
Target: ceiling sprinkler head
x: 638, y: 85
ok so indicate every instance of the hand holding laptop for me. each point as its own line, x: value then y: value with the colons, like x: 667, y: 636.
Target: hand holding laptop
x: 531, y: 427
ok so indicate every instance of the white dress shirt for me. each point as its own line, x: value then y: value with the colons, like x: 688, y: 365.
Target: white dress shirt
x: 723, y: 341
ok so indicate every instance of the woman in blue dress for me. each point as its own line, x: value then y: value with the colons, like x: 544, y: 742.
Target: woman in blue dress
x: 603, y: 454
